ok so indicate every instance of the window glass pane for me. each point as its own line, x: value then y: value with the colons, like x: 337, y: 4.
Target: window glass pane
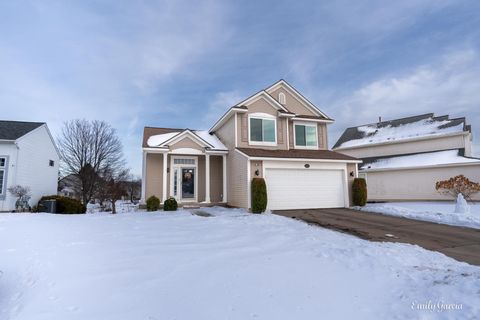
x: 269, y: 130
x: 311, y: 136
x: 1, y: 181
x: 256, y: 129
x: 2, y: 162
x: 300, y: 135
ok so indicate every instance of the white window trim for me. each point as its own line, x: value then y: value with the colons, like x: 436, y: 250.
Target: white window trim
x: 174, y: 166
x: 262, y: 116
x: 3, y: 191
x: 306, y: 124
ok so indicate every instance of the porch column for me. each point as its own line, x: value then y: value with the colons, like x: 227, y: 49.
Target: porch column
x: 164, y: 175
x: 224, y: 177
x: 207, y: 178
x: 144, y: 176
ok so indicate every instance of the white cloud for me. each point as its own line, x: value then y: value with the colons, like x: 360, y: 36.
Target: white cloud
x: 219, y: 105
x: 449, y: 85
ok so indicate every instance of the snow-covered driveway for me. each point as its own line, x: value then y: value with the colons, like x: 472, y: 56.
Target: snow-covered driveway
x: 233, y: 265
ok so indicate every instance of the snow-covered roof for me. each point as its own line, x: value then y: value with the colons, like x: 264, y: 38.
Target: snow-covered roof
x: 419, y: 160
x: 211, y: 139
x: 400, y: 129
x: 159, y: 139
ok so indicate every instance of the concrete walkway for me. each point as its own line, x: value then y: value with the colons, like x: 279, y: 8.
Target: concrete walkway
x: 460, y: 243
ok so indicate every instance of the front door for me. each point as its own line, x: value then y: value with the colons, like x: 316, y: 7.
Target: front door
x: 188, y: 183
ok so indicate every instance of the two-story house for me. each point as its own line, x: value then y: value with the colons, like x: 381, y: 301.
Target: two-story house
x: 28, y: 157
x: 276, y: 134
x: 403, y: 158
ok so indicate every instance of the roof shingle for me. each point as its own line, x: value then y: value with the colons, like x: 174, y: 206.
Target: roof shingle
x: 296, y: 154
x: 12, y: 130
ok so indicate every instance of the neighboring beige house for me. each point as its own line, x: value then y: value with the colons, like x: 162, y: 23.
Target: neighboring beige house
x: 403, y: 158
x: 276, y: 134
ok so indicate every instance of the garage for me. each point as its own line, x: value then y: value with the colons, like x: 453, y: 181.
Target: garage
x: 304, y: 188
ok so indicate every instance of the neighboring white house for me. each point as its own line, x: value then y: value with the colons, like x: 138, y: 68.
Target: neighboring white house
x: 28, y: 157
x: 403, y: 158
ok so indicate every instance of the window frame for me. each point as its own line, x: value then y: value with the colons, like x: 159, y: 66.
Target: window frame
x: 305, y: 124
x: 262, y: 116
x: 3, y: 185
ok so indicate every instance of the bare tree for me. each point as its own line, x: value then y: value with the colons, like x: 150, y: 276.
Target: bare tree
x: 87, y: 149
x: 23, y: 196
x: 113, y: 186
x: 134, y: 186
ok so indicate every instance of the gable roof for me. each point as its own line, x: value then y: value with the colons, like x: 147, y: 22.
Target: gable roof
x: 12, y: 130
x: 240, y: 107
x: 419, y: 126
x: 161, y: 137
x: 296, y: 94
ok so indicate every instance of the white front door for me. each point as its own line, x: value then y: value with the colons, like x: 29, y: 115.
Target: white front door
x: 183, y: 186
x: 304, y: 189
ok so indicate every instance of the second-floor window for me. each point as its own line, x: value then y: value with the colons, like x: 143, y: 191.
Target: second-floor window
x: 306, y: 136
x: 263, y: 130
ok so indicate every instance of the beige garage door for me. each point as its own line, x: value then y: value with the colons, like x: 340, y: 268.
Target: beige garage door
x: 304, y: 188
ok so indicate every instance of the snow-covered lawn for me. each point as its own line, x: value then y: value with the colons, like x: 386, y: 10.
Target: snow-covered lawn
x: 232, y: 265
x: 439, y: 212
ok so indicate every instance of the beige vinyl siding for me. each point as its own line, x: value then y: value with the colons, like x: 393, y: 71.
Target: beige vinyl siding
x: 254, y: 166
x: 226, y: 133
x: 415, y: 184
x: 154, y: 176
x: 407, y: 147
x: 261, y: 106
x: 292, y: 103
x: 322, y: 136
x: 351, y: 167
x: 186, y: 143
x: 216, y: 178
x: 237, y: 175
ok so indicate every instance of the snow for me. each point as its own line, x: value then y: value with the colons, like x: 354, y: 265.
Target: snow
x: 232, y: 265
x: 439, y: 212
x: 422, y: 128
x: 461, y: 205
x: 156, y: 140
x: 418, y: 160
x: 212, y: 139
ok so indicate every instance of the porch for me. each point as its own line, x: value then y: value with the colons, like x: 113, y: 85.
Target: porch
x: 193, y: 179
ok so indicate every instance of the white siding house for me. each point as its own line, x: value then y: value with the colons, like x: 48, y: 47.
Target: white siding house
x: 28, y: 157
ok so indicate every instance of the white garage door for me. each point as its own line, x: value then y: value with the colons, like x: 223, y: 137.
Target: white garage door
x: 304, y: 189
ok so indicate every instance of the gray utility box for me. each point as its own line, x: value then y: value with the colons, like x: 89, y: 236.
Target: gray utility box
x: 50, y: 206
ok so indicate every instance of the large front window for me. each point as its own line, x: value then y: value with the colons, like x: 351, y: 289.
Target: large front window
x: 262, y: 130
x: 305, y: 136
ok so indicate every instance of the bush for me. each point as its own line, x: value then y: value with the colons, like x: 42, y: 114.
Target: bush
x: 259, y: 195
x: 153, y: 203
x: 170, y: 204
x: 359, y: 192
x: 63, y: 205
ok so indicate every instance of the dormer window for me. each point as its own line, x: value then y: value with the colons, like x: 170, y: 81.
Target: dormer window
x: 262, y: 129
x: 306, y: 136
x: 281, y: 98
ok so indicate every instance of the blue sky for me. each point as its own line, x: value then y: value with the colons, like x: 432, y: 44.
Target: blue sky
x: 182, y: 64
